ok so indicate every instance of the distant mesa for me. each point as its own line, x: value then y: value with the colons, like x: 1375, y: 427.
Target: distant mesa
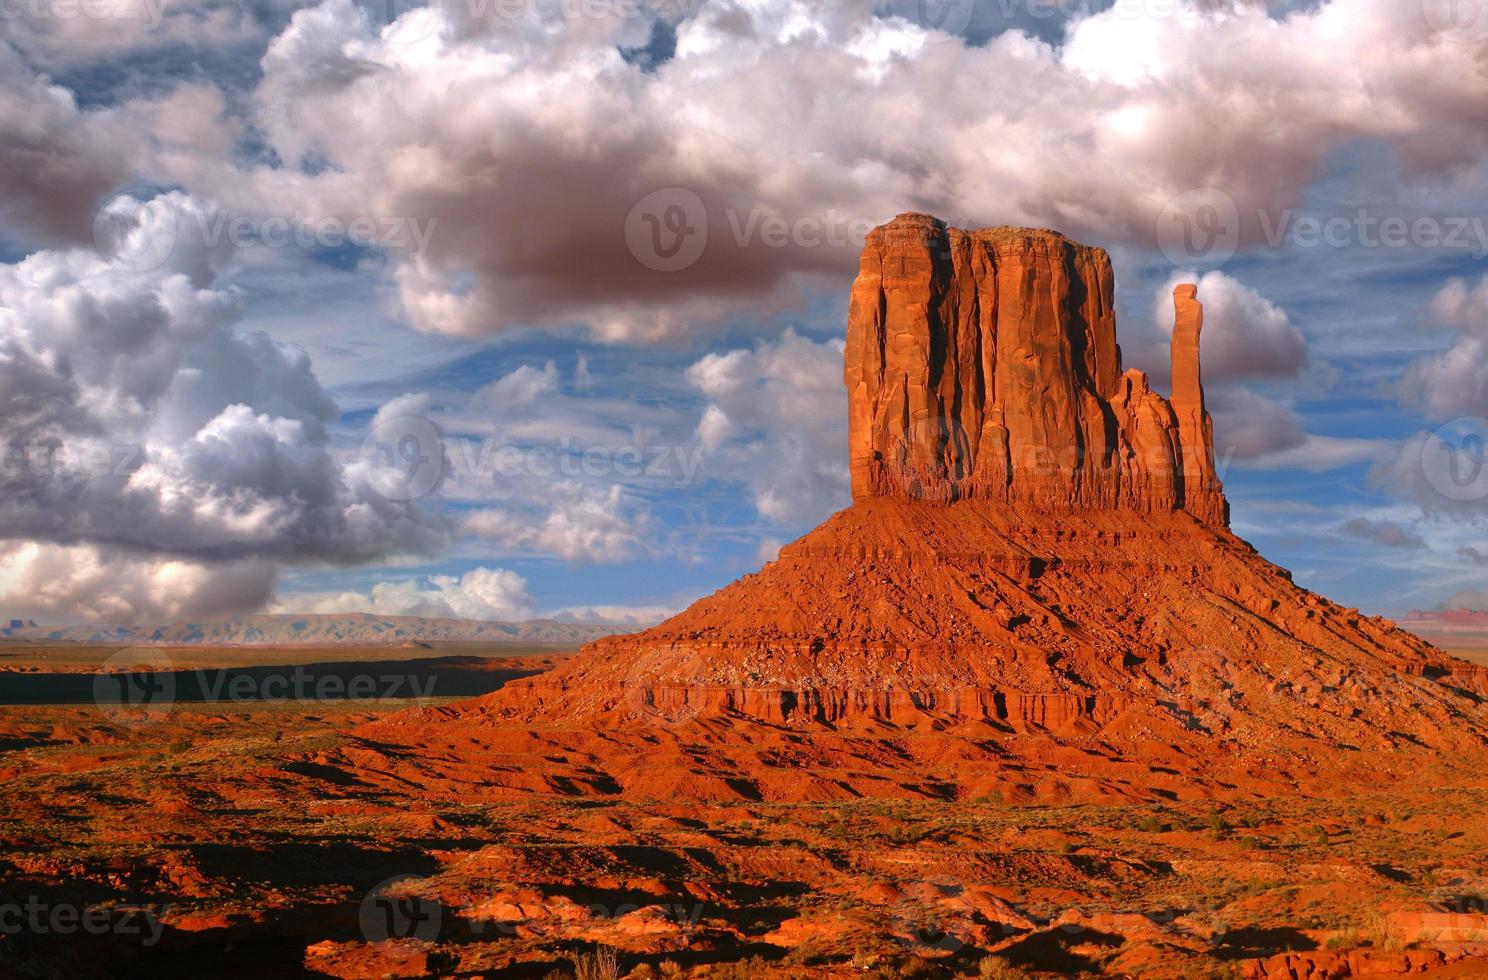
x: 318, y: 629
x: 1035, y: 593
x: 1453, y: 629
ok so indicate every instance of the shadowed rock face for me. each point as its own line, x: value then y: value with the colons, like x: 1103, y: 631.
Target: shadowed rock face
x: 984, y: 364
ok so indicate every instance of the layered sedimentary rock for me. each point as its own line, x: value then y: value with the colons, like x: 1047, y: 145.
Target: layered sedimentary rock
x: 1035, y: 586
x: 984, y: 364
x: 1202, y: 493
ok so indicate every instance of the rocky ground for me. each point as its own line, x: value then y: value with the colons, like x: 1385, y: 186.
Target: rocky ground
x: 280, y: 839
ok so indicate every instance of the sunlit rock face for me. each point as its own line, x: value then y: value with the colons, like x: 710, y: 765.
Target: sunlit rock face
x: 984, y: 364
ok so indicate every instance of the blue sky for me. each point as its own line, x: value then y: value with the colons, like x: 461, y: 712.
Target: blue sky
x: 500, y: 288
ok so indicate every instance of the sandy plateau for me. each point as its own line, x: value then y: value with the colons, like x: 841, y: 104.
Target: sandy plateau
x: 1027, y: 708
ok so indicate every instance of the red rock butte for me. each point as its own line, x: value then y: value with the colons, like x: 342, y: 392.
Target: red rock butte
x: 1035, y: 592
x: 984, y: 365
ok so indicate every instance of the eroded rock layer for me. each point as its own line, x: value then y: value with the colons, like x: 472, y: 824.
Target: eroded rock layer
x: 1034, y: 590
x: 913, y: 613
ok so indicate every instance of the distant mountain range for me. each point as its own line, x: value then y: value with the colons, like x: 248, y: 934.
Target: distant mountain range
x: 1449, y: 627
x: 362, y: 628
x: 1443, y: 627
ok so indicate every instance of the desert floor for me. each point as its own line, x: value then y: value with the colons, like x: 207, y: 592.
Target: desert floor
x: 239, y: 839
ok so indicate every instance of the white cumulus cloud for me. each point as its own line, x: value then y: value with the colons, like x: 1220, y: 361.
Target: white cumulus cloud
x: 776, y: 420
x: 1245, y: 337
x: 1454, y: 381
x: 138, y: 419
x: 482, y: 593
x: 50, y: 582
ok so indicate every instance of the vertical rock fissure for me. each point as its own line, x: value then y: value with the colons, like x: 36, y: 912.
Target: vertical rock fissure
x: 998, y: 376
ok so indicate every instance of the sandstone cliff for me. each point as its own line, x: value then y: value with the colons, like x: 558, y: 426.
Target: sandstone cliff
x: 1035, y: 590
x: 984, y: 364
